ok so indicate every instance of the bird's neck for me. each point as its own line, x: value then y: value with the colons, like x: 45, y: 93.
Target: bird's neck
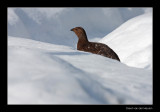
x: 83, y: 39
x: 82, y: 42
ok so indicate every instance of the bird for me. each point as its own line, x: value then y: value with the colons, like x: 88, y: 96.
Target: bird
x: 93, y: 47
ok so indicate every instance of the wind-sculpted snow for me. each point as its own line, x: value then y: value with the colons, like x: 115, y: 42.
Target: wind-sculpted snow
x: 56, y: 73
x: 43, y: 73
x: 132, y: 41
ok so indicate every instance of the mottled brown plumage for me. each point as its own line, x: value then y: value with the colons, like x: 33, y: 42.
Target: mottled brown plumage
x: 93, y: 47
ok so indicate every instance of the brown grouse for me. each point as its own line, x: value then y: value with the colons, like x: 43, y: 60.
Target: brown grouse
x: 93, y: 47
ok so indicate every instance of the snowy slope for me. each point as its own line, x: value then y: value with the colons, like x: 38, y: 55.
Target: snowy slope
x: 56, y: 73
x: 132, y: 41
x: 43, y: 73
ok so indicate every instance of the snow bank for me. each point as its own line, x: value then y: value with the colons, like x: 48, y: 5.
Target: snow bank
x: 132, y: 41
x: 56, y: 73
x: 43, y: 73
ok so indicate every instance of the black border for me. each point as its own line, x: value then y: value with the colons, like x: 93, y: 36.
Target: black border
x: 79, y: 3
x: 73, y: 3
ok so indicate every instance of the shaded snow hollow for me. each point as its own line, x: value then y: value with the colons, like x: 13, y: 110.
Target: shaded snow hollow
x: 52, y: 25
x: 42, y: 73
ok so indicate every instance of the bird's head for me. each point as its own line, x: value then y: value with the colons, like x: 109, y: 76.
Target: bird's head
x: 80, y: 32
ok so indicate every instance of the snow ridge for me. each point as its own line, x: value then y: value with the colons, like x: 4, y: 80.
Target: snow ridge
x: 132, y: 41
x: 52, y: 75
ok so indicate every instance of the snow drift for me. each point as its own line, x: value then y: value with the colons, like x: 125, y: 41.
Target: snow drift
x: 56, y: 73
x: 42, y: 73
x: 132, y: 41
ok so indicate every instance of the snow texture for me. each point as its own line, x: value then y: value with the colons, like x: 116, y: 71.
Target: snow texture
x: 42, y: 73
x: 44, y: 70
x: 132, y: 41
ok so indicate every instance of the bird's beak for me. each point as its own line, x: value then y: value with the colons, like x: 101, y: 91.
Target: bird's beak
x: 72, y: 29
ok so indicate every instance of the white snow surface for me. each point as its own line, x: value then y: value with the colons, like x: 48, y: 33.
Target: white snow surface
x: 132, y: 41
x: 44, y: 66
x: 43, y: 73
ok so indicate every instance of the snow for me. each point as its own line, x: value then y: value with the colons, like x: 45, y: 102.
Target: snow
x: 43, y: 73
x: 132, y: 41
x: 12, y: 17
x: 44, y: 66
x: 52, y: 25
